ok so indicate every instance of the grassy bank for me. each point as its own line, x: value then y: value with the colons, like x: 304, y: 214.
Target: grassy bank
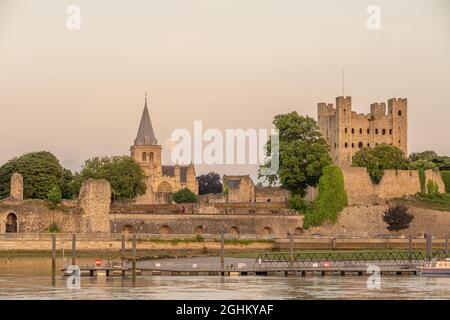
x: 436, y: 201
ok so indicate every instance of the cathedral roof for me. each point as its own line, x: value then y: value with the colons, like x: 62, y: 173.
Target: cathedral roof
x: 145, y: 135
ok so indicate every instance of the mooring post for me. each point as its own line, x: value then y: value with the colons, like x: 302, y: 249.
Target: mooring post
x: 122, y: 252
x: 410, y: 248
x: 291, y: 249
x: 429, y: 246
x: 222, y: 251
x: 446, y: 244
x: 74, y: 249
x: 53, y: 259
x: 133, y: 264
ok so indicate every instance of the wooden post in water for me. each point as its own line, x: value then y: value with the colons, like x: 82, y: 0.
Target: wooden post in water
x: 74, y: 249
x: 429, y: 246
x: 122, y: 251
x: 53, y: 259
x: 222, y: 250
x: 291, y: 249
x: 133, y: 264
x: 446, y: 244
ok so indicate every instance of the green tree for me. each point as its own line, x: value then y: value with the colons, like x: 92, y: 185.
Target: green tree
x: 422, y: 164
x: 425, y: 155
x: 122, y: 172
x: 446, y: 178
x: 303, y: 153
x: 379, y: 158
x: 41, y: 172
x: 209, y: 183
x: 331, y: 198
x: 54, y: 196
x: 184, y: 196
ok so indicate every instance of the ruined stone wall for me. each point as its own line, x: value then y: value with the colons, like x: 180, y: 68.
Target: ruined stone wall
x: 95, y: 200
x: 395, y: 184
x: 16, y: 187
x: 207, y: 224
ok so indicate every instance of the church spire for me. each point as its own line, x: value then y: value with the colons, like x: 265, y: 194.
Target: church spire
x: 145, y: 135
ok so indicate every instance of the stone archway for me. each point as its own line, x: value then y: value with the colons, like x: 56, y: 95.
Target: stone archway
x: 234, y: 231
x: 11, y: 223
x: 298, y: 231
x: 165, y: 230
x: 128, y: 229
x: 267, y: 231
x: 199, y: 230
x: 163, y: 193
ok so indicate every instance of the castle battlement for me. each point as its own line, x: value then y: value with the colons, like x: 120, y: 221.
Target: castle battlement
x: 347, y: 131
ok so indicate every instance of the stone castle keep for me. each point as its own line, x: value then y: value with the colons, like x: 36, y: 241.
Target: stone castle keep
x: 243, y: 208
x: 347, y: 131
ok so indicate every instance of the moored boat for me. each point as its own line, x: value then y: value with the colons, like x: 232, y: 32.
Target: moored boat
x: 436, y: 268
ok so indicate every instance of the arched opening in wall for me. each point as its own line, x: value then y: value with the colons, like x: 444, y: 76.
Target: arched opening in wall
x: 353, y: 130
x: 150, y: 157
x: 368, y: 145
x: 165, y: 230
x: 383, y: 132
x: 390, y: 131
x: 360, y: 131
x: 346, y: 130
x: 267, y: 231
x: 199, y: 230
x: 353, y: 145
x: 298, y: 231
x: 11, y: 223
x: 399, y: 113
x: 128, y: 229
x: 346, y: 145
x: 376, y: 131
x: 268, y: 200
x: 234, y: 231
x: 360, y: 145
x: 368, y: 131
x: 163, y: 193
x: 144, y: 156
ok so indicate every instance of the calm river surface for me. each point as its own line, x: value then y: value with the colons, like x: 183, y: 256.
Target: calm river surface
x: 32, y: 281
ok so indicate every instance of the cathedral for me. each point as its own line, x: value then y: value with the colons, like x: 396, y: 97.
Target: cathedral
x: 161, y: 180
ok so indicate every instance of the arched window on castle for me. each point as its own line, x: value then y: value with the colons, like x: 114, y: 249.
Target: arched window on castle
x: 150, y: 157
x: 353, y: 145
x: 360, y: 131
x: 346, y: 130
x: 368, y: 131
x: 390, y: 131
x: 399, y: 113
x: 360, y: 145
x: 353, y: 130
x: 383, y: 132
x: 376, y: 131
x: 346, y: 145
x: 144, y: 156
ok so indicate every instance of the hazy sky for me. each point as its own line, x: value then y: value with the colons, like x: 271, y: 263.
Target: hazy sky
x: 230, y: 63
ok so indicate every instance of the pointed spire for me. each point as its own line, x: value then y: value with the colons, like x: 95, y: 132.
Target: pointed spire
x: 145, y: 135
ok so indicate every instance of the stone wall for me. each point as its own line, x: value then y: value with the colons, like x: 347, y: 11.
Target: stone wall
x: 367, y: 221
x: 395, y: 184
x: 95, y: 199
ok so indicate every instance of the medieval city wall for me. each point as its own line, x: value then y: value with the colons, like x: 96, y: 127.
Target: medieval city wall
x: 395, y: 184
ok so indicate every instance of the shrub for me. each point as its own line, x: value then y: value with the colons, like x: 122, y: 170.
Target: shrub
x: 53, y: 228
x: 331, y: 198
x: 422, y: 179
x: 54, y: 196
x: 297, y: 203
x: 397, y: 217
x: 184, y: 196
x: 446, y: 178
x: 199, y: 238
x: 432, y: 187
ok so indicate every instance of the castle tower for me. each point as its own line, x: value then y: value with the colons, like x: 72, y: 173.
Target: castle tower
x: 146, y: 151
x: 347, y: 131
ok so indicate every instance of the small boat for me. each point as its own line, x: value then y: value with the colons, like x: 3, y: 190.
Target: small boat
x: 436, y: 268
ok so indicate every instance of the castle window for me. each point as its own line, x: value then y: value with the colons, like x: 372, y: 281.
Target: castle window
x: 376, y: 144
x: 150, y: 157
x: 376, y: 131
x: 368, y: 131
x: 360, y: 131
x: 144, y: 156
x: 368, y: 145
x: 360, y: 145
x: 383, y: 132
x: 353, y: 145
x: 399, y: 113
x: 346, y: 130
x: 353, y: 130
x: 346, y: 145
x: 390, y: 131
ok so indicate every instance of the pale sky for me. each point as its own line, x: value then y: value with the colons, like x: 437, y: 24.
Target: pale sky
x: 230, y: 63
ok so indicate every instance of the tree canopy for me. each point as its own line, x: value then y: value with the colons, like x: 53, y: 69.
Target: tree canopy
x: 41, y: 171
x: 303, y: 153
x: 381, y: 157
x: 184, y: 196
x: 122, y: 172
x: 397, y: 217
x: 209, y: 183
x: 440, y: 162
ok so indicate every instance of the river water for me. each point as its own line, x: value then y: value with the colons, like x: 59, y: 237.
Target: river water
x: 33, y: 281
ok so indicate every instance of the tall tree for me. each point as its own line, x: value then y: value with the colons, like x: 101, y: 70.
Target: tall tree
x: 303, y: 153
x: 122, y: 172
x: 41, y: 172
x: 209, y: 183
x: 379, y: 158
